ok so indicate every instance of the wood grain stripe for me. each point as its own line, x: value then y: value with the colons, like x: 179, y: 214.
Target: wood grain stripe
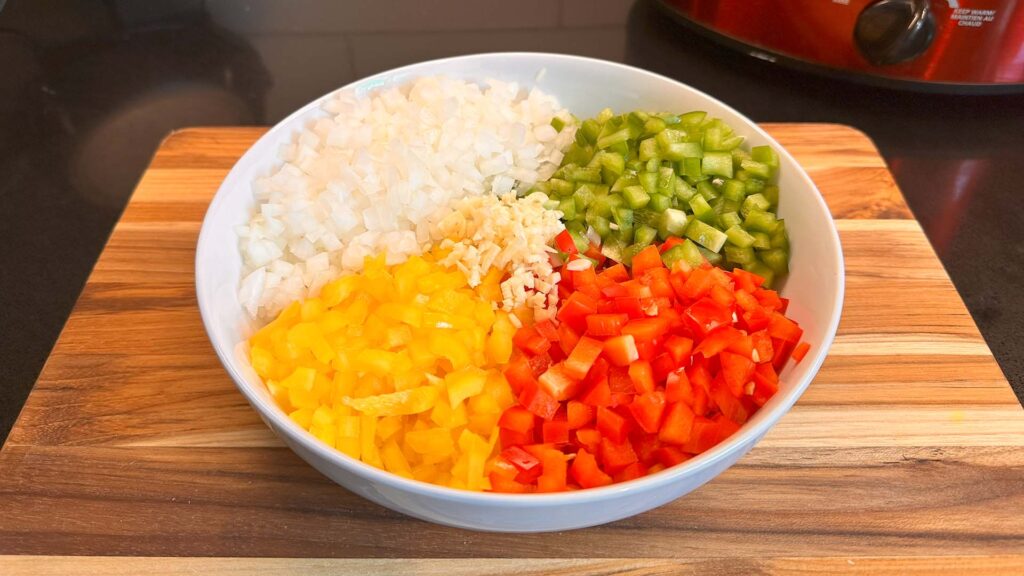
x: 217, y: 502
x: 1005, y: 565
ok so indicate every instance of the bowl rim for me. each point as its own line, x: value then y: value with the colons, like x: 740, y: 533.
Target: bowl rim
x: 295, y: 434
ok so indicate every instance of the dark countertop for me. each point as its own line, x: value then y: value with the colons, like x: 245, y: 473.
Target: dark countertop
x: 89, y: 88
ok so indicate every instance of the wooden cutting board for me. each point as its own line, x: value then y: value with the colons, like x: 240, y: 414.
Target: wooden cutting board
x: 905, y: 456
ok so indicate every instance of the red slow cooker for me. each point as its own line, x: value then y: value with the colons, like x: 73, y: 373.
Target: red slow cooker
x: 946, y: 45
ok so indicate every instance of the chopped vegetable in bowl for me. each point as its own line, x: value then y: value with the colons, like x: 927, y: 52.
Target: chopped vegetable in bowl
x: 510, y: 299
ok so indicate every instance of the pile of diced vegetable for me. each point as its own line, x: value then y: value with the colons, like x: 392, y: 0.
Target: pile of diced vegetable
x: 514, y: 353
x: 638, y: 178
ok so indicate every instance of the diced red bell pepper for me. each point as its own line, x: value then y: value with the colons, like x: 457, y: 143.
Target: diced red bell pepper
x: 647, y: 410
x: 768, y: 298
x: 669, y: 456
x: 762, y: 344
x: 742, y: 345
x: 594, y: 253
x: 631, y: 472
x: 641, y: 376
x: 585, y: 280
x: 529, y: 340
x: 611, y: 424
x: 727, y: 402
x: 536, y: 400
x: 670, y: 243
x: 589, y: 437
x: 602, y: 325
x: 517, y: 419
x: 615, y: 291
x: 503, y: 468
x: 680, y: 348
x: 638, y: 289
x: 565, y: 243
x: 646, y: 259
x: 677, y: 424
x: 579, y: 414
x: 707, y: 433
x: 628, y: 305
x: 658, y: 280
x: 701, y: 401
x: 662, y: 366
x: 644, y: 445
x: 706, y: 315
x: 783, y: 350
x: 507, y: 485
x: 555, y: 431
x: 619, y: 381
x: 745, y: 301
x: 558, y: 382
x: 582, y: 358
x: 756, y: 319
x: 766, y: 383
x: 513, y: 438
x: 597, y: 393
x: 621, y: 350
x: 553, y: 478
x: 574, y: 310
x: 621, y: 399
x: 717, y: 340
x: 699, y: 374
x: 519, y: 374
x: 697, y: 284
x: 547, y: 329
x: 800, y: 351
x: 722, y: 295
x: 784, y: 329
x: 567, y: 338
x: 616, y: 455
x: 520, y: 458
x: 586, y: 472
x: 647, y: 349
x: 618, y: 273
x: 678, y: 388
x: 674, y: 318
x: 646, y: 329
x: 737, y: 370
x: 539, y: 364
x: 746, y: 280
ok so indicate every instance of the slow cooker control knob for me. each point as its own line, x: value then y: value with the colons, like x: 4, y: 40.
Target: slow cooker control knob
x: 894, y: 31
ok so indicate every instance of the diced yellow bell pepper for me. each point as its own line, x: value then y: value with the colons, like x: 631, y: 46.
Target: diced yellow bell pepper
x: 401, y: 312
x: 380, y: 362
x: 411, y: 401
x: 394, y: 460
x: 348, y: 446
x: 490, y: 285
x: 337, y: 291
x: 434, y: 441
x: 499, y: 342
x: 312, y: 309
x: 301, y: 379
x: 448, y: 345
x: 387, y: 426
x: 391, y: 364
x: 462, y: 384
x: 263, y: 361
x: 368, y: 441
x: 303, y: 416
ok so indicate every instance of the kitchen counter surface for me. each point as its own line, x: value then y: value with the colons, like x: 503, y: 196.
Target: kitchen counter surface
x: 91, y: 88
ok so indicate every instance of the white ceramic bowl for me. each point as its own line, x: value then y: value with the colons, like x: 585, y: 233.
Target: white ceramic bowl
x: 584, y: 86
